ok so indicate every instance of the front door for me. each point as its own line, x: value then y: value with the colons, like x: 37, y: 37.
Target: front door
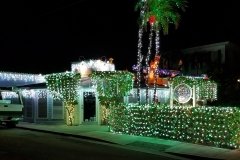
x: 89, y: 107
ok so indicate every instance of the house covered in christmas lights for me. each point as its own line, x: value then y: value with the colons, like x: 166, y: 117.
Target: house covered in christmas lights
x: 40, y: 106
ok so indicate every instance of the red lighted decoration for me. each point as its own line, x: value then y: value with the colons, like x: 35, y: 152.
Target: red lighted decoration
x: 152, y: 19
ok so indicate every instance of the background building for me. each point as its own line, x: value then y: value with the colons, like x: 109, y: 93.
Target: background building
x: 199, y: 60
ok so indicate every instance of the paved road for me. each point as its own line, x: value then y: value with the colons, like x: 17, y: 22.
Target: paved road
x: 30, y: 145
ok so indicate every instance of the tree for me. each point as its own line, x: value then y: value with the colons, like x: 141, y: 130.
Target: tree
x: 65, y: 86
x: 111, y: 87
x: 158, y: 14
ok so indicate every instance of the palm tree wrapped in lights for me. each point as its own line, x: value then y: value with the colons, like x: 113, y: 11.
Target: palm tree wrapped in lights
x: 158, y: 14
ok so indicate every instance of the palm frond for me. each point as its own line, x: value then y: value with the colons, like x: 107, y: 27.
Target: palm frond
x: 182, y: 4
x: 138, y: 6
x: 165, y: 12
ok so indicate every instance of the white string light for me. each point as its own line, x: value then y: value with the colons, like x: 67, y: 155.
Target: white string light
x: 41, y: 93
x: 11, y: 76
x: 156, y: 73
x: 28, y: 93
x: 147, y: 62
x: 95, y: 65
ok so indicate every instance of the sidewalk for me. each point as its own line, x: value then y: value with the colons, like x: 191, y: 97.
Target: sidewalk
x: 153, y: 145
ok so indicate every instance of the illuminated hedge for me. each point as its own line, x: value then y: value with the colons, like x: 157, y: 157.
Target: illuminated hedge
x: 214, y: 126
x: 112, y: 85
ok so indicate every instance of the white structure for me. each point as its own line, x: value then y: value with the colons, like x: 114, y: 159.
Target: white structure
x: 40, y: 107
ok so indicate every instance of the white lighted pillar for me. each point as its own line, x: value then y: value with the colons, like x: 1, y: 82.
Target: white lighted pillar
x: 125, y: 99
x: 98, y: 110
x: 34, y: 99
x: 76, y: 114
x: 80, y: 105
x: 171, y: 95
x: 194, y: 95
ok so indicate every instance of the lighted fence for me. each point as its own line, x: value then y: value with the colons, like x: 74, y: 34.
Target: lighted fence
x: 214, y: 126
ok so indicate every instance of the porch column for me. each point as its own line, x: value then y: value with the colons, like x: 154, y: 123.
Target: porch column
x: 98, y: 110
x: 171, y: 95
x: 194, y: 95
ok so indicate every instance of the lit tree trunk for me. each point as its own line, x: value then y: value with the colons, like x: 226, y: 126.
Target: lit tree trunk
x: 139, y: 56
x: 156, y: 72
x: 70, y: 109
x: 147, y: 62
x: 139, y: 60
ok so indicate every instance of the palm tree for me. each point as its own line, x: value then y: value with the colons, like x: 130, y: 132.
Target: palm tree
x: 159, y: 13
x: 165, y: 13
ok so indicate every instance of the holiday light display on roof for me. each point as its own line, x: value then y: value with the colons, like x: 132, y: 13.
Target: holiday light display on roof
x: 16, y: 79
x: 86, y: 67
x: 22, y: 77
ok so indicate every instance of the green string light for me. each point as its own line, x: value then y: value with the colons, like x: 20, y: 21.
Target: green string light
x: 212, y: 126
x: 205, y: 89
x: 65, y: 86
x: 112, y: 85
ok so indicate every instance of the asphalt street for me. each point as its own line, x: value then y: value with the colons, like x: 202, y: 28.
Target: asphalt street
x: 21, y: 144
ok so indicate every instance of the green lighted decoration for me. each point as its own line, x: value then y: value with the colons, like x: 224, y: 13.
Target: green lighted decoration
x: 205, y: 89
x: 112, y: 85
x: 212, y: 126
x: 64, y: 86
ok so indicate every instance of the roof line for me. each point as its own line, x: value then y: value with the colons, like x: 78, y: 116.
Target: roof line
x: 208, y: 45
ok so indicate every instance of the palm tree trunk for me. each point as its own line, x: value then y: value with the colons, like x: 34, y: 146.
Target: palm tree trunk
x: 147, y: 61
x: 139, y: 60
x: 140, y: 56
x: 156, y: 72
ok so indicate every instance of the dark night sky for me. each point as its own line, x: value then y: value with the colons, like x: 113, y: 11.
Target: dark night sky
x: 39, y: 36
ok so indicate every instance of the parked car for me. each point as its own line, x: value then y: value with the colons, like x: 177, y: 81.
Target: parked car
x: 11, y: 108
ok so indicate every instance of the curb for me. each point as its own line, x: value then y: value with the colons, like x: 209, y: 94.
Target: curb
x: 192, y: 156
x: 188, y: 156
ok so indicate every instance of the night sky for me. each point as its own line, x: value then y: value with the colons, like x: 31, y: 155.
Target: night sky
x: 39, y: 36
